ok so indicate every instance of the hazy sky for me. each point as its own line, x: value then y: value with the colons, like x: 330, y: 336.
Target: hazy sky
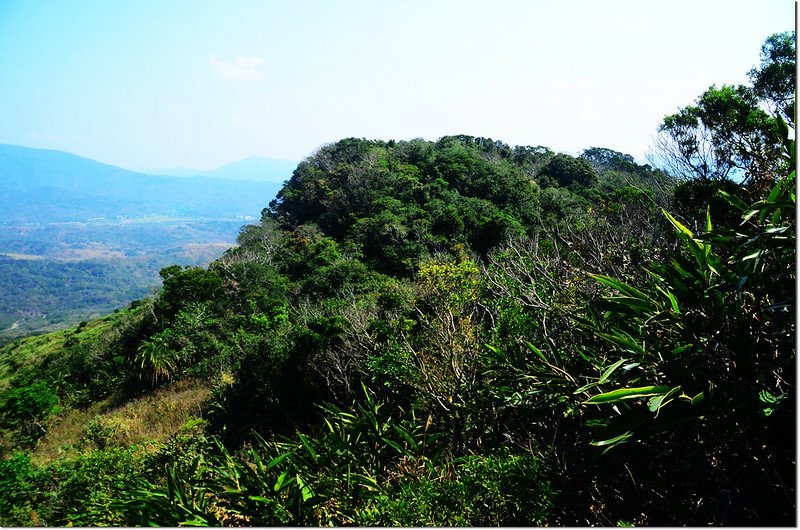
x: 165, y: 83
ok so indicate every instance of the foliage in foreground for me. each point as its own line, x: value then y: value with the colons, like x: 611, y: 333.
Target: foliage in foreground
x: 365, y: 467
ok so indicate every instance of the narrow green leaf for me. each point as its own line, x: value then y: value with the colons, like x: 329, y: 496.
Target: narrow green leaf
x: 634, y: 303
x: 610, y: 371
x: 305, y: 491
x: 197, y: 521
x: 681, y: 349
x: 367, y: 481
x: 677, y: 224
x: 656, y: 402
x: 279, y: 484
x: 536, y: 350
x: 180, y: 492
x: 733, y: 200
x: 613, y: 441
x: 748, y: 214
x: 627, y: 393
x: 715, y: 264
x: 584, y: 388
x: 307, y: 445
x: 277, y: 460
x: 606, y: 374
x: 672, y: 300
x: 624, y: 342
x: 407, y: 437
x: 256, y: 498
x: 393, y: 445
x: 170, y: 485
x: 620, y: 286
x: 767, y: 397
x: 775, y: 193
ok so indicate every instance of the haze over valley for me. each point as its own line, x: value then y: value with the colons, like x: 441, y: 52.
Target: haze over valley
x: 79, y: 238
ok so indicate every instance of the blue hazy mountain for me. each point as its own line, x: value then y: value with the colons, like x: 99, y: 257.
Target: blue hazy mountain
x: 255, y: 168
x: 79, y: 238
x: 38, y: 185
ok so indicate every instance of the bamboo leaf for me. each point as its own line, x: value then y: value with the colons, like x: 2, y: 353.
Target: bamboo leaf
x: 678, y: 225
x: 627, y: 393
x: 367, y: 481
x: 634, y: 303
x: 279, y: 485
x: 613, y: 441
x: 657, y: 402
x: 715, y: 264
x: 620, y: 286
x: 305, y: 491
x: 776, y: 229
x: 584, y: 388
x: 407, y: 437
x: 307, y: 445
x: 170, y: 485
x: 277, y: 460
x: 610, y: 371
x: 393, y: 445
x: 606, y: 374
x: 748, y: 214
x: 775, y: 193
x: 256, y: 498
x: 672, y: 300
x: 680, y: 350
x: 536, y: 350
x: 623, y: 342
x: 733, y: 200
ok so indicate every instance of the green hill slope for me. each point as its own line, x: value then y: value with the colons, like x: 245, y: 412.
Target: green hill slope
x: 417, y: 333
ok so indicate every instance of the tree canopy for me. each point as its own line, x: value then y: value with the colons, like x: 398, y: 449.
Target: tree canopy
x: 728, y: 132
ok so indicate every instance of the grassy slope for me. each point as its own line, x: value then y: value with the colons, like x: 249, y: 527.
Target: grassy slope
x: 117, y: 421
x: 145, y: 422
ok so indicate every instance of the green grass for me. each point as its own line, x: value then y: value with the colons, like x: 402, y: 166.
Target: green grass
x: 26, y: 353
x: 144, y: 422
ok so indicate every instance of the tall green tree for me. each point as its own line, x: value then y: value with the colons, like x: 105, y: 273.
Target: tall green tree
x: 775, y: 78
x: 727, y: 133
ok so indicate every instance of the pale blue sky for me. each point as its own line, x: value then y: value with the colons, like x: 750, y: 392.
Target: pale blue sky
x: 166, y: 83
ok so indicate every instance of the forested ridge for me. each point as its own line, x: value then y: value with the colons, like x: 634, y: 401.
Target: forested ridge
x: 450, y: 333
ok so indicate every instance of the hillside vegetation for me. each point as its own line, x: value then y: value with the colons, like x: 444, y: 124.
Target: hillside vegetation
x: 447, y: 333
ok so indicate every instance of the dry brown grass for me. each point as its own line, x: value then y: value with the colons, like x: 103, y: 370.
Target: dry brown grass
x: 64, y: 434
x: 145, y: 422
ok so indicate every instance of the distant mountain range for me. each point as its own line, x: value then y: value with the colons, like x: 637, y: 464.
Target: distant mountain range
x: 38, y: 185
x: 79, y: 239
x: 254, y: 168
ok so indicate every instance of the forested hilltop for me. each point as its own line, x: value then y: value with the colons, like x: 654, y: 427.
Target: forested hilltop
x: 450, y: 333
